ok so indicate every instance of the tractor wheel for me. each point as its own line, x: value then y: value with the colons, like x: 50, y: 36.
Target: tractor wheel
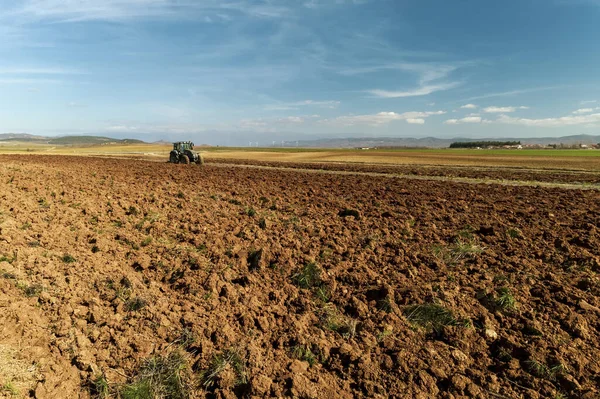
x: 200, y: 160
x: 173, y: 158
x: 184, y: 159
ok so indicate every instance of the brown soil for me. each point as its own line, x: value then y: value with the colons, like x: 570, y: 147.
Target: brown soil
x: 105, y: 263
x: 472, y: 172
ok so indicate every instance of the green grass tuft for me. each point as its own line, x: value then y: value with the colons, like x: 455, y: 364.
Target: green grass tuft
x: 159, y: 377
x: 332, y: 319
x: 68, y: 258
x: 33, y: 290
x: 431, y: 316
x: 100, y: 387
x: 309, y: 276
x: 460, y: 250
x: 505, y: 300
x: 304, y: 352
x: 135, y: 304
x: 229, y: 358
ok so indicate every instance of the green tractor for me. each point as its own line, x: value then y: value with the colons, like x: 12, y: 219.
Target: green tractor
x: 183, y: 152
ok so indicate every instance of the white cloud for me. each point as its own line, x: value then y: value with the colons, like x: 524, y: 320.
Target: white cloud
x: 469, y: 106
x: 39, y: 71
x: 270, y: 122
x: 323, y: 3
x: 120, y: 10
x: 429, y: 76
x: 291, y: 119
x: 590, y: 119
x: 208, y: 11
x: 514, y: 92
x: 468, y: 119
x: 28, y: 81
x: 583, y: 111
x: 383, y: 118
x: 421, y: 91
x: 305, y: 103
x: 501, y: 110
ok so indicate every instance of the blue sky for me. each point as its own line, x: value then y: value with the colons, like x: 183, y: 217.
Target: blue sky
x: 264, y: 70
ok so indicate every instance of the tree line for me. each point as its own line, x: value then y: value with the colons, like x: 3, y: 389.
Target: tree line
x: 475, y: 144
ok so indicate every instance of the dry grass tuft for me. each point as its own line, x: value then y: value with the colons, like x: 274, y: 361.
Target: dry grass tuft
x: 17, y: 376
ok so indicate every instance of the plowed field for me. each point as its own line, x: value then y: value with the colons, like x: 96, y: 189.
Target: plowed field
x: 121, y: 278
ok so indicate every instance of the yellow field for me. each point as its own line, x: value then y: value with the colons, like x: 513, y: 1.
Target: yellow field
x: 547, y: 159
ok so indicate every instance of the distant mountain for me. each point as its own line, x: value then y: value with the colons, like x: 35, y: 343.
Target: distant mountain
x: 21, y: 137
x: 281, y: 139
x: 90, y: 140
x: 431, y: 142
x: 65, y: 140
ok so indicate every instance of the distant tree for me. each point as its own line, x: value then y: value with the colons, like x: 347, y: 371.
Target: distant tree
x: 475, y: 144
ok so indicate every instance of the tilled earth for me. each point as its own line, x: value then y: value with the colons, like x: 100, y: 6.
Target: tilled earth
x: 308, y: 285
x: 551, y: 174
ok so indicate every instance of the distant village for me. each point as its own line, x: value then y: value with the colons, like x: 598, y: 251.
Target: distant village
x: 517, y: 145
x: 496, y: 145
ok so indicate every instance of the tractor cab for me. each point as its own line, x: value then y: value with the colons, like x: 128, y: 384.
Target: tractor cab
x: 181, y: 146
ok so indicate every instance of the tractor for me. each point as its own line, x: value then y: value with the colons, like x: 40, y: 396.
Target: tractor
x: 183, y: 152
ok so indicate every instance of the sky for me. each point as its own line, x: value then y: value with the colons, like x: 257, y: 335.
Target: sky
x: 257, y: 71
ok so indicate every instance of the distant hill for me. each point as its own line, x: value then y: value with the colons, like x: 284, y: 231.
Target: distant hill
x: 241, y: 138
x: 90, y: 140
x: 431, y: 142
x: 21, y: 137
x: 66, y: 140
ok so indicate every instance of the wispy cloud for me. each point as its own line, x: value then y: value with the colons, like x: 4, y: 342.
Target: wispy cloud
x: 589, y: 102
x: 469, y: 119
x: 382, y: 118
x: 298, y: 104
x: 324, y: 3
x: 514, y: 92
x: 420, y: 91
x: 209, y: 11
x: 119, y: 10
x: 28, y: 81
x: 469, y: 106
x: 590, y: 119
x: 502, y: 110
x: 428, y: 77
x: 39, y: 71
x: 582, y: 111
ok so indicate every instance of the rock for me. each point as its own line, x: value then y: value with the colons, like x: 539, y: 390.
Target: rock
x: 568, y: 382
x: 438, y: 372
x: 460, y: 382
x: 302, y: 387
x: 473, y: 390
x: 590, y: 308
x: 459, y: 356
x: 360, y: 308
x: 261, y: 385
x: 590, y: 395
x: 578, y: 326
x: 428, y: 383
x: 491, y: 334
x: 298, y: 366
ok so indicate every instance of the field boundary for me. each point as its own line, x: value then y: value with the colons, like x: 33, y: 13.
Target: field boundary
x: 466, y: 180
